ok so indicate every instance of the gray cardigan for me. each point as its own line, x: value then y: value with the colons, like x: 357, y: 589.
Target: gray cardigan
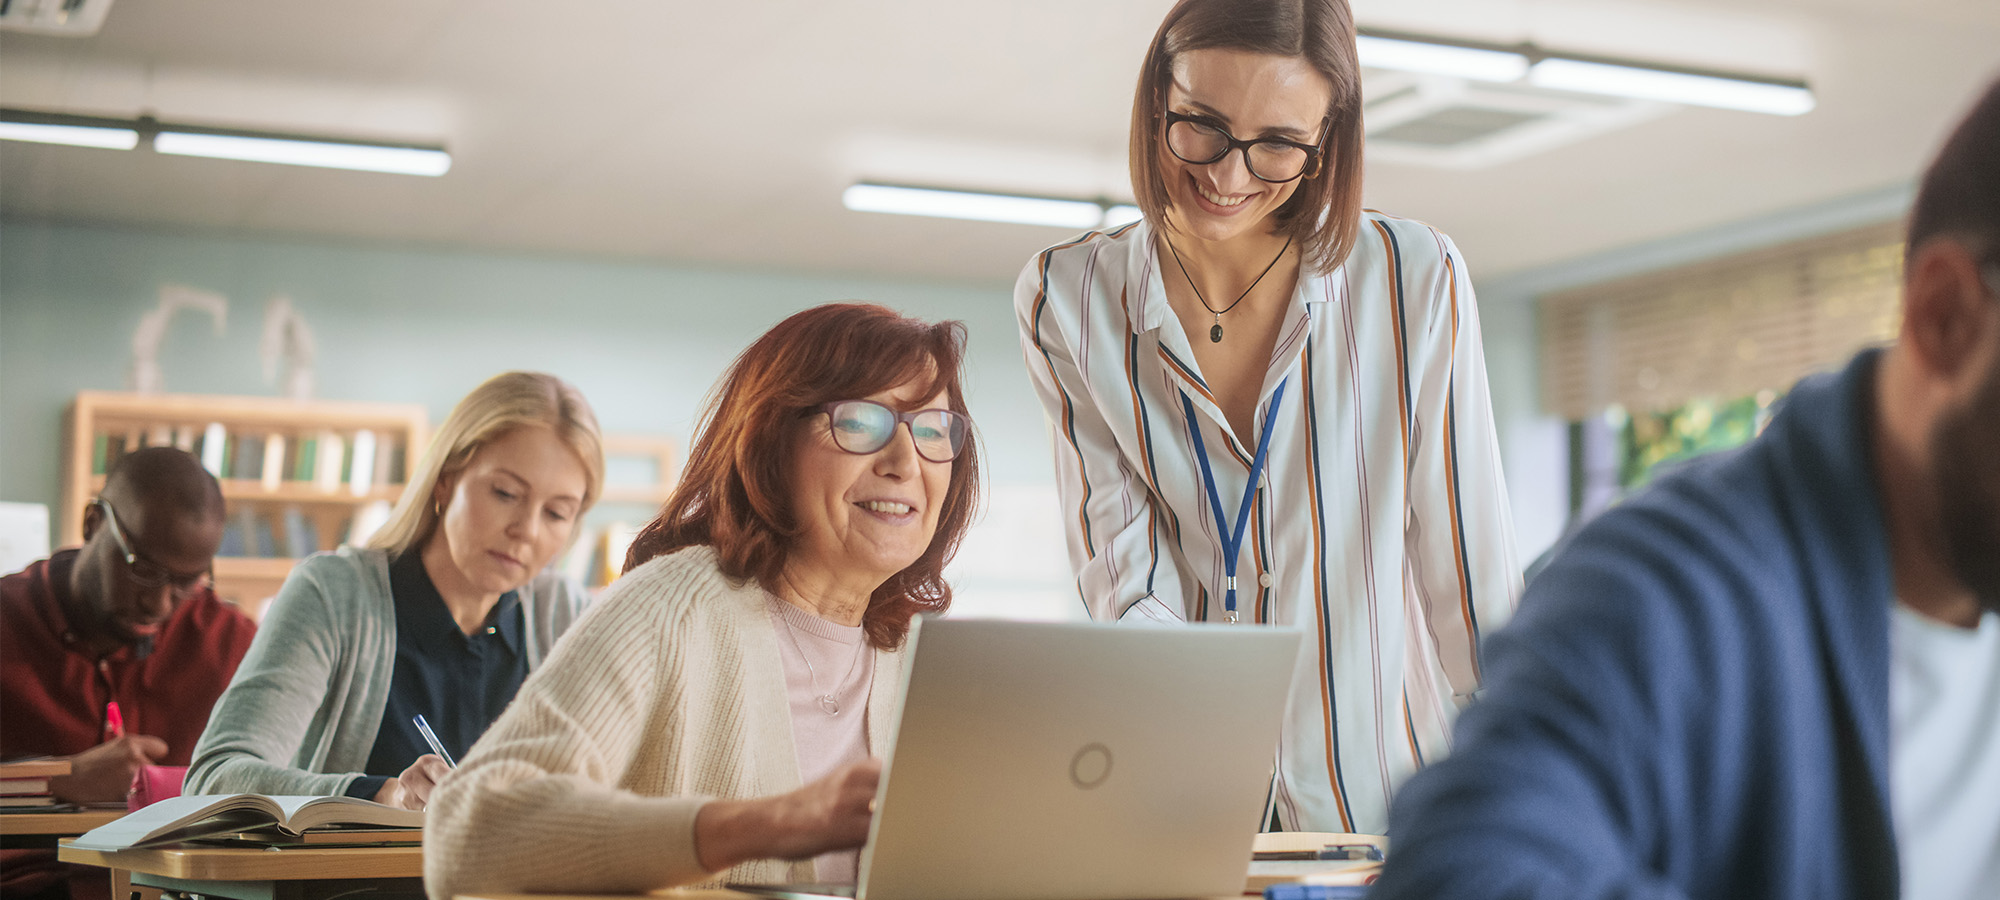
x: 300, y: 716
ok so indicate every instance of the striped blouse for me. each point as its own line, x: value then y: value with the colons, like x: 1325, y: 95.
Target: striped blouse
x: 1380, y: 524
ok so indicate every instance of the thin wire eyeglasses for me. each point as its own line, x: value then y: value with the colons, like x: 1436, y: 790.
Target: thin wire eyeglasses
x: 145, y: 572
x: 864, y: 426
x: 1201, y: 141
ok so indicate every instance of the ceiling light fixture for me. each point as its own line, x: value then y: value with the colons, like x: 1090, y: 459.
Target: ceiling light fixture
x: 401, y: 160
x: 221, y: 143
x: 1583, y: 73
x: 75, y: 131
x: 72, y: 135
x: 985, y: 207
x: 1622, y: 80
x: 1433, y: 57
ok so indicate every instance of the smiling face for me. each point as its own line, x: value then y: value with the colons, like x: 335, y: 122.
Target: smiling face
x: 1253, y: 95
x: 507, y: 513
x: 864, y: 517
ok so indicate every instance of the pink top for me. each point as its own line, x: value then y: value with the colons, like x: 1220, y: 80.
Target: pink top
x: 825, y: 660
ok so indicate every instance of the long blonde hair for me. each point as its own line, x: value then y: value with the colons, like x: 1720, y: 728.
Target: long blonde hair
x: 503, y: 403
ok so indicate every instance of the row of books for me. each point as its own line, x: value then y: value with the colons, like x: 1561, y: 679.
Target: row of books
x: 360, y: 460
x: 288, y: 531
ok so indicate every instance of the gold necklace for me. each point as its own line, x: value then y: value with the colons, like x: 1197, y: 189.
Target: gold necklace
x: 1215, y: 331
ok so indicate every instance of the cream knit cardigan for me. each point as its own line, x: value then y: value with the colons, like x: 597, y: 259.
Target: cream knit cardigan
x: 669, y: 692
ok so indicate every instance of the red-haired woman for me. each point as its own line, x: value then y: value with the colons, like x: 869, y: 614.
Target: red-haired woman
x: 1271, y: 404
x: 719, y: 707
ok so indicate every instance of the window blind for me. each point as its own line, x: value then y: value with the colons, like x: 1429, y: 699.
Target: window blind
x: 1725, y: 327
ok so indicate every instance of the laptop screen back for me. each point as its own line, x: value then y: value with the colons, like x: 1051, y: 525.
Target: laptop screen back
x: 1039, y: 760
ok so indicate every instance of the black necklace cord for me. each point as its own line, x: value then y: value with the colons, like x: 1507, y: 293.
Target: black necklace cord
x: 1215, y: 332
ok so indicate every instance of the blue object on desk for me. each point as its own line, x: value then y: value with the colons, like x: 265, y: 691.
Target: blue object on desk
x: 1315, y: 892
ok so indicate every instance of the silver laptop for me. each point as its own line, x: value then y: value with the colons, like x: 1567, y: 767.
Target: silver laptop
x: 1037, y: 761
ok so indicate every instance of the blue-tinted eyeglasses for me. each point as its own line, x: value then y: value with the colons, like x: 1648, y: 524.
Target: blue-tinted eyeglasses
x: 864, y: 426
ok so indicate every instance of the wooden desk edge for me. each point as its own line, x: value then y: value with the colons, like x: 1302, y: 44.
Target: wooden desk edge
x: 68, y: 823
x: 255, y: 863
x: 665, y: 894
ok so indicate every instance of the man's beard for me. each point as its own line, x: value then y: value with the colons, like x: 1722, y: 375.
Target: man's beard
x: 1965, y: 462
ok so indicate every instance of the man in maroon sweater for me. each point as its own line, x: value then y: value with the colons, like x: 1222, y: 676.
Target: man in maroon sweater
x: 128, y: 618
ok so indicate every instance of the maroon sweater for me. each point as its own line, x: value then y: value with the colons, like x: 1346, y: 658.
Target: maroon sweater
x: 52, y: 695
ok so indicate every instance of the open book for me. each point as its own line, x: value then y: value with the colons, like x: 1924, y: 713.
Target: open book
x: 1314, y: 858
x: 207, y: 815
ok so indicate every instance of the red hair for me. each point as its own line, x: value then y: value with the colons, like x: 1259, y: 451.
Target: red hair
x: 735, y: 491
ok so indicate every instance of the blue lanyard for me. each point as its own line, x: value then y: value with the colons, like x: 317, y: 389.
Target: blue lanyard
x: 1232, y: 539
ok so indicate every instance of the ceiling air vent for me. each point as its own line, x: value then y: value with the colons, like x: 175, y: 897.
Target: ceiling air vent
x: 67, y: 18
x: 1443, y: 122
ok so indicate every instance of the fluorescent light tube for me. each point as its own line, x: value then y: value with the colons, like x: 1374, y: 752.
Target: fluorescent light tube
x: 73, y: 135
x: 331, y: 155
x: 910, y: 201
x: 1440, y: 59
x: 1673, y: 87
x: 1122, y: 214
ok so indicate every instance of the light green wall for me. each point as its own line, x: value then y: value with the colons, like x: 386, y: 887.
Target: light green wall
x: 644, y: 342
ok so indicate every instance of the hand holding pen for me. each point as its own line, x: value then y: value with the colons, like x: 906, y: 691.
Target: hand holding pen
x: 412, y: 789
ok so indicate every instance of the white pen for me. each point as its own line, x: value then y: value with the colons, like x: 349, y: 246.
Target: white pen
x: 430, y: 737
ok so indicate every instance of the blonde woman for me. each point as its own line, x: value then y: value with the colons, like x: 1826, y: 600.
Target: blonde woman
x: 442, y: 615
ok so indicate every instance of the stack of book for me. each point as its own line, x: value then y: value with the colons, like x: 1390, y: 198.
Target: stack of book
x: 24, y: 784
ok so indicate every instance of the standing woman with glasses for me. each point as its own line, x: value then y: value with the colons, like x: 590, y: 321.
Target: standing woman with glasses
x: 1270, y: 405
x: 724, y: 705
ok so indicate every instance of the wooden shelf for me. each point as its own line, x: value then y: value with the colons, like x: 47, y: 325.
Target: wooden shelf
x: 660, y: 453
x: 289, y: 492
x: 247, y: 581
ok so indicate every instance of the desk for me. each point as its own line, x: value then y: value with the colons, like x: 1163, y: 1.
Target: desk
x: 66, y: 824
x: 295, y: 873
x: 663, y: 894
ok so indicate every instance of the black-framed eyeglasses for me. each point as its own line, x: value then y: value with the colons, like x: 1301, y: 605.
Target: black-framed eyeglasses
x: 145, y: 572
x: 864, y: 426
x: 1201, y: 141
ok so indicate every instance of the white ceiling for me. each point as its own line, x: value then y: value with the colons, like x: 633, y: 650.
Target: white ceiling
x: 723, y: 133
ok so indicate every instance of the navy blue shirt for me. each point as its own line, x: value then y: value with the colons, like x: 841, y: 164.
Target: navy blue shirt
x: 459, y: 683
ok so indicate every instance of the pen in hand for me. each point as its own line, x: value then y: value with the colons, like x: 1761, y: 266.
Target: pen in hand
x: 431, y: 738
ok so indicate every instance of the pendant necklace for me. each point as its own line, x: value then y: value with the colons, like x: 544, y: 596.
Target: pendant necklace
x: 825, y: 699
x: 1215, y: 331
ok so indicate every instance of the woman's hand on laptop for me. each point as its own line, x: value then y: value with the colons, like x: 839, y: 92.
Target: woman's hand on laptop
x: 826, y: 815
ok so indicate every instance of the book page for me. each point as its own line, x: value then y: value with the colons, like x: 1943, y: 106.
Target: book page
x: 179, y: 818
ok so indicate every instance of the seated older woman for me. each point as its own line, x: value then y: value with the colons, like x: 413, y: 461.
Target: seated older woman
x: 718, y: 708
x: 443, y: 615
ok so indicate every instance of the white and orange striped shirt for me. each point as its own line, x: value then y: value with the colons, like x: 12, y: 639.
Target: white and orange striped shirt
x: 1381, y: 524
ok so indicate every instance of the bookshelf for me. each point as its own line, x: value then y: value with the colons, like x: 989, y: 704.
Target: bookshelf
x: 294, y: 474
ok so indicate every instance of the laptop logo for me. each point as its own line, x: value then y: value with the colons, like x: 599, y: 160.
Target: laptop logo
x: 1090, y: 766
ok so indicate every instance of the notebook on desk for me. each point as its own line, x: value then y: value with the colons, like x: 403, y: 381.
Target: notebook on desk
x: 1036, y: 761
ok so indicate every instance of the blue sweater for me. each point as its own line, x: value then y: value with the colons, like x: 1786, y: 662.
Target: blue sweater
x: 1693, y: 699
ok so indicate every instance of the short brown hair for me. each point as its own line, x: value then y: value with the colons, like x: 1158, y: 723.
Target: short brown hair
x: 1324, y: 215
x: 734, y: 493
x: 1961, y: 191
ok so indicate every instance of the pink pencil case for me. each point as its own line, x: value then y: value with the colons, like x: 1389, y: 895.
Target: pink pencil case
x: 152, y: 784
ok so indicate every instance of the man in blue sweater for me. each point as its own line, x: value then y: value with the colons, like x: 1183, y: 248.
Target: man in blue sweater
x: 1776, y: 673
